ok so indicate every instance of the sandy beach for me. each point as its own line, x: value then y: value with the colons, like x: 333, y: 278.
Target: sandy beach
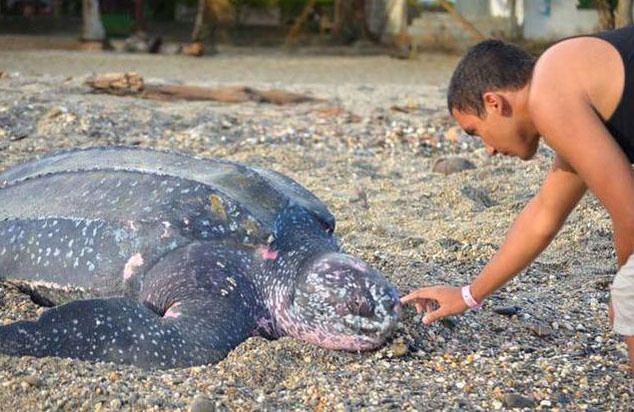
x: 367, y: 150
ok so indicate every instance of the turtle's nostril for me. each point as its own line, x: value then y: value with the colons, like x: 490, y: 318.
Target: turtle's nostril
x: 366, y: 310
x: 361, y: 307
x: 397, y: 307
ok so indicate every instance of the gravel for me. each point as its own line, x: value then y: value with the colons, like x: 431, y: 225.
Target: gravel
x: 542, y: 342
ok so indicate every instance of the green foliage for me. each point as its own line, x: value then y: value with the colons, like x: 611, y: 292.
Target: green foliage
x: 292, y: 8
x: 591, y: 4
x: 117, y: 24
x: 253, y: 3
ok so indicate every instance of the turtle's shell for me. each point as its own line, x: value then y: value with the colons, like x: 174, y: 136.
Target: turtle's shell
x: 78, y: 216
x: 262, y: 192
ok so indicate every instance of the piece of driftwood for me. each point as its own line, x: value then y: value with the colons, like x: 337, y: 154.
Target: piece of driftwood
x: 117, y: 83
x: 132, y: 84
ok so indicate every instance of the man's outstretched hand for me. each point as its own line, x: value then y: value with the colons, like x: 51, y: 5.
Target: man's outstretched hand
x: 438, y: 301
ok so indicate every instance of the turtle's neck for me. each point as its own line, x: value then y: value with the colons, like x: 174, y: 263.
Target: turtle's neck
x: 299, y: 239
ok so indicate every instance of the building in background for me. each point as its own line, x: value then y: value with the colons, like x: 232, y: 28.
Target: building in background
x: 540, y: 20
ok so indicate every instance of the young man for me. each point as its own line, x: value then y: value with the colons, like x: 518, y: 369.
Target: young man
x: 579, y: 97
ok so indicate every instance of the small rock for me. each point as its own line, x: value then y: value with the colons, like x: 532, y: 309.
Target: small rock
x: 195, y: 49
x: 514, y: 400
x: 507, y: 310
x: 478, y: 196
x: 399, y: 349
x: 33, y: 380
x: 567, y: 326
x: 449, y: 322
x: 202, y: 404
x: 450, y: 165
x: 170, y: 48
x: 541, y: 330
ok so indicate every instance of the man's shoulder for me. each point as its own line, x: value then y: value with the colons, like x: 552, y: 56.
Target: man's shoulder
x: 569, y: 71
x: 564, y: 59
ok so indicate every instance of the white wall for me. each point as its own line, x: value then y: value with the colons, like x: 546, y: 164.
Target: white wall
x: 555, y: 19
x: 501, y: 8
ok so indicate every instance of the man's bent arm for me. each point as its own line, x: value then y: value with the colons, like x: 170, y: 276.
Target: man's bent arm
x: 533, y: 229
x: 566, y: 118
x: 531, y: 232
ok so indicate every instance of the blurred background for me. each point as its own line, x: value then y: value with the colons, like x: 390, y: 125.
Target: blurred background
x: 196, y: 27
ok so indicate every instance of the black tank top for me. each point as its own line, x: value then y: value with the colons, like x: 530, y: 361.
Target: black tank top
x: 621, y: 123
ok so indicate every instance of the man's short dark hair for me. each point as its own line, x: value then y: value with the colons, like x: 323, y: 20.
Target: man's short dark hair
x: 488, y: 66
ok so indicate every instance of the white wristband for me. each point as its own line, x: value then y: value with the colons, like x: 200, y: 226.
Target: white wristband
x: 468, y: 298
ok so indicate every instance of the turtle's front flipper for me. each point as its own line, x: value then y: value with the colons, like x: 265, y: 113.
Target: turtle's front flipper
x: 125, y: 331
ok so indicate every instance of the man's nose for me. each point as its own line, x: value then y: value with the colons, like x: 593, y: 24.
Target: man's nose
x: 491, y: 150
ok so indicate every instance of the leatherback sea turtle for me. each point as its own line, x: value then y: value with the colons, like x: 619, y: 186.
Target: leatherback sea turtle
x: 178, y: 260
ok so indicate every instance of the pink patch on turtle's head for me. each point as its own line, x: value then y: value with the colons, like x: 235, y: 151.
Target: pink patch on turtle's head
x: 172, y: 312
x: 267, y: 253
x: 130, y: 267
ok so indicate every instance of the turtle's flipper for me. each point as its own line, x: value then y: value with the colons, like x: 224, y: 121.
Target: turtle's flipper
x: 125, y: 331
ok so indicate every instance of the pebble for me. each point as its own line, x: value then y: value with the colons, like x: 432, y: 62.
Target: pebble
x: 541, y: 330
x: 507, y: 310
x: 451, y: 165
x: 334, y: 158
x: 513, y: 400
x: 202, y: 404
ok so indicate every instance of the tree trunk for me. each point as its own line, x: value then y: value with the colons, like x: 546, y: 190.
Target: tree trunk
x: 299, y: 21
x: 515, y: 27
x: 385, y: 19
x: 139, y: 15
x: 606, y: 17
x: 199, y: 21
x: 92, y: 29
x: 623, y: 15
x: 205, y: 25
x: 56, y: 6
x: 349, y: 22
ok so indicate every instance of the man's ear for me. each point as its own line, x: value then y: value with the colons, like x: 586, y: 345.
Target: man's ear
x: 494, y: 103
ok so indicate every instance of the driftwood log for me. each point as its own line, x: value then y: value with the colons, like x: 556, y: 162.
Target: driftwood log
x: 132, y: 84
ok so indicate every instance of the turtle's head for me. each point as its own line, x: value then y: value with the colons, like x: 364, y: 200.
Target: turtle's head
x: 342, y: 303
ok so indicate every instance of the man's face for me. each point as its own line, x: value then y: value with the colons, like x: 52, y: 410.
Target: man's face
x: 501, y: 131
